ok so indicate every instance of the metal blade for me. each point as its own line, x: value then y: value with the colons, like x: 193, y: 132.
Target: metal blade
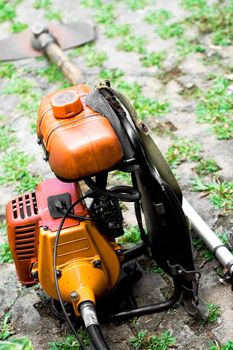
x: 70, y: 35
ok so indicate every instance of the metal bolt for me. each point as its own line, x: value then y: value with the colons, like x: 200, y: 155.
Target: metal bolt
x: 74, y: 295
x: 35, y: 275
x: 38, y: 29
x: 58, y: 274
x: 97, y: 263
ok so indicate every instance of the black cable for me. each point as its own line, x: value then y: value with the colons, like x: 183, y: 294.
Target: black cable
x: 123, y: 193
x: 55, y: 271
x: 97, y: 338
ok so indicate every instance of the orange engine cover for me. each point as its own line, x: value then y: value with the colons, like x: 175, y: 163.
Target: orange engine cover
x: 77, y: 140
x: 26, y: 214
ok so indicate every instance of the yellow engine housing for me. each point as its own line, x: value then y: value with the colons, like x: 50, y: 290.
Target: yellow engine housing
x: 86, y: 261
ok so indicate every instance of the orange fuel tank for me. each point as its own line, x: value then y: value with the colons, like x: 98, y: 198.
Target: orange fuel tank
x: 77, y: 140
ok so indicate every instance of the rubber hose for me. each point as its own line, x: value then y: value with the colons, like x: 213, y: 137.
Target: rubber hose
x: 97, y: 338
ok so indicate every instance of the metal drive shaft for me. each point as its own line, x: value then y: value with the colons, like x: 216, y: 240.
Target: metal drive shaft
x: 214, y: 244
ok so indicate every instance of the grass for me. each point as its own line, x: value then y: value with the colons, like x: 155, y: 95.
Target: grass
x: 7, y: 11
x: 70, y: 342
x: 185, y: 47
x: 216, y: 20
x: 53, y: 74
x: 153, y: 59
x: 115, y: 30
x: 14, y: 166
x: 183, y: 150
x: 135, y: 5
x: 18, y: 86
x: 167, y: 31
x: 122, y: 176
x: 133, y: 43
x: 91, y: 56
x: 6, y: 138
x: 214, y: 313
x: 206, y: 167
x: 220, y: 192
x: 5, y: 253
x: 131, y: 235
x: 193, y: 4
x: 7, y: 70
x: 111, y: 74
x: 105, y: 14
x: 17, y: 344
x: 154, y: 269
x: 226, y: 346
x: 5, y: 329
x: 17, y: 27
x: 42, y: 4
x: 153, y: 342
x: 158, y: 17
x: 92, y: 3
x: 216, y: 108
x: 145, y: 106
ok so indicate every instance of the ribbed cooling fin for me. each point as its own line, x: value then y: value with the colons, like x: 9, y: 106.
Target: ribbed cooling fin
x: 25, y: 241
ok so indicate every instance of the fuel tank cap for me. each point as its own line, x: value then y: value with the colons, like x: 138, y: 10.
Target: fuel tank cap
x: 66, y: 104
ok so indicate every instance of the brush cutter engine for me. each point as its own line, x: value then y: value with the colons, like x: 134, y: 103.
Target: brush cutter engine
x: 69, y: 247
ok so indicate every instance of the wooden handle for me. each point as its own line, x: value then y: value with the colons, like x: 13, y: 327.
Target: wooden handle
x: 70, y: 71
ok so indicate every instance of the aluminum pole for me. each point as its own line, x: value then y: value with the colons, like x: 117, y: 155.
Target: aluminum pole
x: 214, y: 244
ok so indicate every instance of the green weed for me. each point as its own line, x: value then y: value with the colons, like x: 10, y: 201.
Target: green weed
x: 3, y: 228
x: 133, y: 43
x: 92, y: 3
x: 200, y: 246
x: 183, y: 150
x: 7, y: 11
x: 114, y: 30
x: 216, y: 107
x: 158, y: 17
x: 7, y: 70
x: 91, y: 56
x: 5, y: 329
x: 105, y: 14
x: 113, y: 75
x: 53, y: 74
x: 42, y: 4
x: 54, y: 15
x: 138, y: 340
x: 131, y: 235
x: 154, y: 268
x: 6, y: 138
x: 206, y: 167
x: 227, y: 346
x: 5, y: 253
x: 70, y: 342
x: 20, y: 343
x: 154, y: 342
x: 153, y: 59
x: 122, y: 176
x: 186, y: 47
x: 170, y: 31
x: 192, y: 4
x: 216, y: 20
x: 214, y: 313
x: 15, y: 169
x: 136, y: 4
x: 220, y: 192
x: 17, y: 27
x: 145, y: 106
x: 18, y: 86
